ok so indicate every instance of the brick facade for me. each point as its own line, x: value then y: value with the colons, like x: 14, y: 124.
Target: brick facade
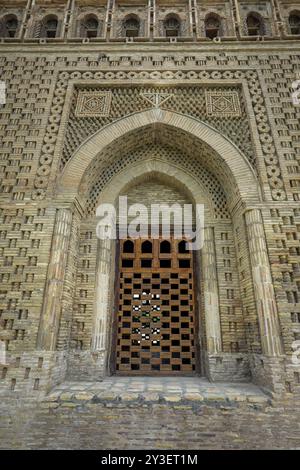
x: 77, y: 129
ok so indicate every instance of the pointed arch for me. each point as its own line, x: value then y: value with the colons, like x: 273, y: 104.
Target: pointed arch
x: 239, y: 179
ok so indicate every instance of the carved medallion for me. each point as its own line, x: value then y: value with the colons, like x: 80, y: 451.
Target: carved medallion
x: 222, y: 103
x: 93, y: 104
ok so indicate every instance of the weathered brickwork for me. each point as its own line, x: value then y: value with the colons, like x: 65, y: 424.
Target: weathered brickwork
x: 105, y: 419
x: 103, y: 98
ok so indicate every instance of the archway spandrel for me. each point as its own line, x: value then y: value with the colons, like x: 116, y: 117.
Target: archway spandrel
x: 235, y: 165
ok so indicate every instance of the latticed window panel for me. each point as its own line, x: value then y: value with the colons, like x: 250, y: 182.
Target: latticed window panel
x: 156, y: 308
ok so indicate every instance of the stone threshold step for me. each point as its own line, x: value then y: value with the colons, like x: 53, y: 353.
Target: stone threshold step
x: 156, y: 390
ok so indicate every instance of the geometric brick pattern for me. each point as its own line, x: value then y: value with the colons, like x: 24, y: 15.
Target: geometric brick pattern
x: 116, y: 161
x: 222, y: 104
x: 93, y: 104
x: 40, y: 134
x: 189, y: 100
x: 229, y: 103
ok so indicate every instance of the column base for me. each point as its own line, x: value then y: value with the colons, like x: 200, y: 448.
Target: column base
x: 227, y: 367
x: 86, y: 365
x: 269, y: 373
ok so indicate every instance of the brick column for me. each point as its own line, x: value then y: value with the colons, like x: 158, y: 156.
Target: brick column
x: 263, y: 286
x: 51, y: 311
x: 211, y: 293
x: 102, y: 296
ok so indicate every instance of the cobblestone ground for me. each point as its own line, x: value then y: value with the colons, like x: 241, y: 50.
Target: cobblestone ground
x: 151, y: 413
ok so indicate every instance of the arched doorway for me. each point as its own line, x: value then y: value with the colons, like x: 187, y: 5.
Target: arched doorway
x: 159, y: 180
x: 156, y: 310
x: 213, y: 172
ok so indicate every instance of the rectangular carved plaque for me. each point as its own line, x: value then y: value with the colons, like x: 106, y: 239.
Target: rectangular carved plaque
x: 93, y: 104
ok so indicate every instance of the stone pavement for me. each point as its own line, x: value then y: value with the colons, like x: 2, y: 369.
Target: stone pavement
x: 155, y: 389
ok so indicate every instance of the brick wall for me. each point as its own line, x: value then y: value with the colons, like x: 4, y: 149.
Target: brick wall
x: 82, y: 424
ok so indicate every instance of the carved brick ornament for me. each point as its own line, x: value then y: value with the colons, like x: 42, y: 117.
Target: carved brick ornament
x: 93, y: 104
x: 222, y: 103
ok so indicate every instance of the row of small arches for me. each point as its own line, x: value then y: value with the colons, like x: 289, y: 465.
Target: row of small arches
x: 165, y: 247
x: 10, y: 26
x: 90, y: 26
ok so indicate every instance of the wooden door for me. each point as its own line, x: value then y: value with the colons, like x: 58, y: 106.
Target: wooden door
x: 156, y: 308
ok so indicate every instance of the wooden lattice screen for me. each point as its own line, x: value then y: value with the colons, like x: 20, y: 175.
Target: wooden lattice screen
x: 156, y: 308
